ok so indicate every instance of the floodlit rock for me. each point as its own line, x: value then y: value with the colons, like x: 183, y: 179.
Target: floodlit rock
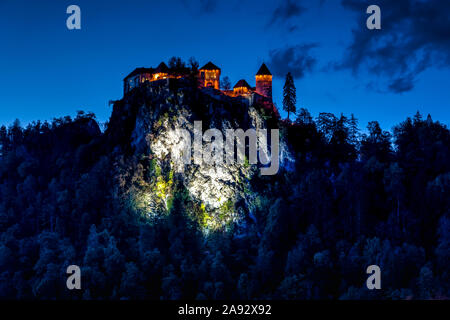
x: 154, y: 115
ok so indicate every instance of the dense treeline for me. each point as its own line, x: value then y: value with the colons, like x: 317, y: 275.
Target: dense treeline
x: 352, y: 200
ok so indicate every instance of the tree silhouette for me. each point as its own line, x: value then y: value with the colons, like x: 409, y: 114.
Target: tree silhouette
x: 193, y: 64
x: 226, y: 84
x: 289, y: 95
x: 176, y: 63
x: 350, y: 200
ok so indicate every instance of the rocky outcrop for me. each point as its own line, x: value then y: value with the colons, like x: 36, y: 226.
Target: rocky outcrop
x: 153, y: 117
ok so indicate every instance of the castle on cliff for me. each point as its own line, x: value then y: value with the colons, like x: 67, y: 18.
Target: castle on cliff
x: 208, y: 77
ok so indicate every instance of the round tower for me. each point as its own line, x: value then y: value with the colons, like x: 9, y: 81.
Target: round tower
x: 264, y: 82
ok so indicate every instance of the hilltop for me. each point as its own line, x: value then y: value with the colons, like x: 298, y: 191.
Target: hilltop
x: 145, y: 122
x: 140, y: 227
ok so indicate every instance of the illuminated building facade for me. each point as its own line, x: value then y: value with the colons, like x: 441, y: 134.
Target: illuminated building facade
x: 209, y: 76
x: 264, y: 82
x: 141, y: 75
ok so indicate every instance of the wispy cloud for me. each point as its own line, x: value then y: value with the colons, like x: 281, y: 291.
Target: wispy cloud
x: 415, y: 36
x: 208, y: 6
x: 287, y: 10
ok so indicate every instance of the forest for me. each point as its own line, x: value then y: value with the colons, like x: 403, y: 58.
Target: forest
x: 354, y: 199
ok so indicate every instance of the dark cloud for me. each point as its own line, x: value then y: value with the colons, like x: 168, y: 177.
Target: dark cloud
x: 414, y: 36
x: 402, y: 84
x: 296, y: 59
x: 286, y: 10
x: 292, y: 28
x: 208, y: 6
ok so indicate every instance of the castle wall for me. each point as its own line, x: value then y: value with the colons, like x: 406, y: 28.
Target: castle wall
x: 264, y: 87
x: 210, y: 77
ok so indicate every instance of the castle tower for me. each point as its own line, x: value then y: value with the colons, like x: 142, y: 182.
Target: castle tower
x: 264, y: 82
x: 210, y: 76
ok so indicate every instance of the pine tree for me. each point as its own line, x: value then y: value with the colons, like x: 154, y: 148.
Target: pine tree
x: 417, y: 118
x: 289, y: 95
x: 353, y: 130
x: 16, y: 133
x: 4, y: 141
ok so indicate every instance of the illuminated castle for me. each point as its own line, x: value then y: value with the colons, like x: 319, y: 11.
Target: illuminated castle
x: 208, y: 77
x: 264, y: 82
x: 141, y: 75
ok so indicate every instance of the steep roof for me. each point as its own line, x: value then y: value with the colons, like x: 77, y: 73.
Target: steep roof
x: 210, y: 66
x: 139, y: 71
x: 242, y: 83
x: 162, y: 67
x: 263, y: 71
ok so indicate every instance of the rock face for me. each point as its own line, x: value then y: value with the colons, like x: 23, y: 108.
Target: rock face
x: 150, y: 120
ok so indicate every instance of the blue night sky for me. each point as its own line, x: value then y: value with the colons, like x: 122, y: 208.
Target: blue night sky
x: 339, y: 65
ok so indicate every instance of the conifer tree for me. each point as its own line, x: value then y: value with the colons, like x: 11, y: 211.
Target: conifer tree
x: 289, y: 95
x: 353, y: 130
x: 4, y: 141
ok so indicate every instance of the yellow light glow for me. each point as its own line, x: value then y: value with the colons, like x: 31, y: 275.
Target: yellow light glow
x: 263, y: 78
